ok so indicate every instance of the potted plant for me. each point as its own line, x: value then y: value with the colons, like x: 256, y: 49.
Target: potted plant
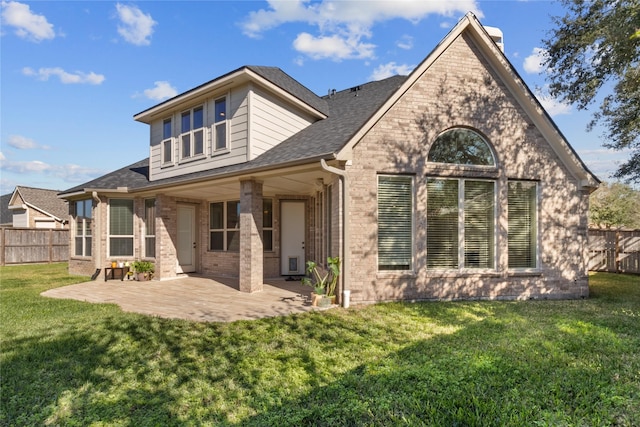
x: 143, y: 270
x: 323, y: 282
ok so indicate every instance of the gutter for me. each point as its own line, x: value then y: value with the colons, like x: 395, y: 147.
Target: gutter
x: 346, y: 292
x: 98, y: 255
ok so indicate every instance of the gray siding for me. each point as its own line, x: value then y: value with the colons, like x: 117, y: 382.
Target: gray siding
x: 237, y: 110
x: 273, y: 121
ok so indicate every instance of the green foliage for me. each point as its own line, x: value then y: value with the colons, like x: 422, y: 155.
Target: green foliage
x: 143, y: 266
x: 615, y: 205
x: 447, y: 363
x: 324, y: 282
x: 595, y: 43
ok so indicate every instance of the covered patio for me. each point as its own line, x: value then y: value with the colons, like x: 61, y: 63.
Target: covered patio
x: 194, y: 298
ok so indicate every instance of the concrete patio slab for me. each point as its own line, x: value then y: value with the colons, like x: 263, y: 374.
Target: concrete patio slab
x: 193, y: 298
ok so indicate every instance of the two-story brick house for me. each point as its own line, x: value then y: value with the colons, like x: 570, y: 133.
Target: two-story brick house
x: 452, y: 182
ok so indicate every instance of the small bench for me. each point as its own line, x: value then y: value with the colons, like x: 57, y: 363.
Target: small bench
x: 115, y: 273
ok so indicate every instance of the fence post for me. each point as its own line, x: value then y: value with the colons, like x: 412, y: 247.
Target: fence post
x: 617, y: 251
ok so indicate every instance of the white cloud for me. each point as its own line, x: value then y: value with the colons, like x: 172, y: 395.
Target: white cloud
x: 552, y: 105
x: 343, y: 25
x: 534, y: 63
x: 333, y: 47
x: 23, y: 143
x: 27, y: 24
x: 391, y: 69
x: 161, y: 91
x: 136, y: 27
x: 65, y: 77
x: 69, y: 172
x: 406, y: 42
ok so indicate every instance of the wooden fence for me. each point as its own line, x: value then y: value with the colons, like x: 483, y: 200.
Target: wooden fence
x: 615, y: 251
x: 33, y: 245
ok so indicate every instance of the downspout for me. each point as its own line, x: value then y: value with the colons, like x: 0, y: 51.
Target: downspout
x: 346, y: 292
x: 97, y: 232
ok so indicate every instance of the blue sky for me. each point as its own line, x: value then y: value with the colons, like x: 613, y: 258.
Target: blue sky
x: 74, y: 73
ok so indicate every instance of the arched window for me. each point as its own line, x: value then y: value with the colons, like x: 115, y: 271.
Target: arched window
x: 461, y: 146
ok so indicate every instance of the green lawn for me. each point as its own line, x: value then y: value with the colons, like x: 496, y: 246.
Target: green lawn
x: 542, y: 363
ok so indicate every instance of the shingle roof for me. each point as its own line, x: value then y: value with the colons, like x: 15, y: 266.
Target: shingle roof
x: 348, y: 110
x: 6, y: 216
x: 285, y: 82
x: 44, y: 200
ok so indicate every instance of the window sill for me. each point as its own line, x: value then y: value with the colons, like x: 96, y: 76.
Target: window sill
x: 220, y: 152
x: 463, y: 273
x: 390, y: 274
x: 524, y: 273
x: 167, y: 165
x: 192, y: 159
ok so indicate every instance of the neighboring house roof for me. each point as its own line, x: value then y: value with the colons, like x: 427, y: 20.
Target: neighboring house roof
x: 6, y: 216
x: 43, y: 200
x: 349, y: 115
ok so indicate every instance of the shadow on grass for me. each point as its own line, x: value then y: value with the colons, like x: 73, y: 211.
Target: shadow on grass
x: 484, y: 363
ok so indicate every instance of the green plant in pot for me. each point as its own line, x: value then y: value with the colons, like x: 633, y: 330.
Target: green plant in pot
x: 323, y: 281
x: 143, y: 270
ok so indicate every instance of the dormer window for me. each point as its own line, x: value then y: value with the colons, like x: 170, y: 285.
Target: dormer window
x: 192, y: 133
x: 167, y: 142
x: 220, y: 125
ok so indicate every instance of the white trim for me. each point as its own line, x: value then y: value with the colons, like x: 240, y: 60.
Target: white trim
x: 512, y: 81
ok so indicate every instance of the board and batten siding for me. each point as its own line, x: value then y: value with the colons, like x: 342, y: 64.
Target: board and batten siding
x: 237, y: 110
x: 273, y: 121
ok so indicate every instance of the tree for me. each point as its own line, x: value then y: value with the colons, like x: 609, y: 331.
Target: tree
x: 595, y: 43
x: 615, y: 205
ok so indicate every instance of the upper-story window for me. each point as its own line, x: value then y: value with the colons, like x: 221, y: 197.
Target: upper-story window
x: 220, y: 125
x: 192, y: 132
x: 167, y: 142
x: 461, y: 146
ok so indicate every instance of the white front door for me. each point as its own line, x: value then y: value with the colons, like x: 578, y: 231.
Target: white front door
x: 292, y: 253
x: 186, y: 239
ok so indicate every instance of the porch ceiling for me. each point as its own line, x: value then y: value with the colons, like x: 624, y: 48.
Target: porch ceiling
x: 294, y: 181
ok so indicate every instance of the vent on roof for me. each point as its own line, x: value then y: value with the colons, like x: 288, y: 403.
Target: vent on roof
x: 356, y: 89
x: 496, y: 36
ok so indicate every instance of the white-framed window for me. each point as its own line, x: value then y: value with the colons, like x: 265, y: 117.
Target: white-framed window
x: 150, y: 228
x: 82, y: 217
x: 192, y: 133
x: 120, y: 227
x: 224, y: 225
x: 461, y: 223
x: 395, y: 222
x: 167, y: 141
x: 220, y: 142
x: 523, y: 224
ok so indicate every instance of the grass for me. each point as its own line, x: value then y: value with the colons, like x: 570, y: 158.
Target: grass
x: 541, y: 363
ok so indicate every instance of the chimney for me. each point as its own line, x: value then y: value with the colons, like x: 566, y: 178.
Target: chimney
x: 496, y: 36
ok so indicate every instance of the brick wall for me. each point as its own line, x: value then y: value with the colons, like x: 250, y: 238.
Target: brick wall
x: 460, y: 89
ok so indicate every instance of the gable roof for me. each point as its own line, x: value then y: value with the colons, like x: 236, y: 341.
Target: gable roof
x: 41, y: 199
x: 348, y: 116
x: 515, y: 84
x: 271, y: 77
x: 347, y: 111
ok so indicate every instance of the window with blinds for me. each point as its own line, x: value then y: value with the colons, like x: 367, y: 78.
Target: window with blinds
x: 442, y: 223
x: 460, y: 224
x: 395, y: 222
x: 150, y: 228
x: 523, y: 233
x: 83, y: 227
x: 120, y: 227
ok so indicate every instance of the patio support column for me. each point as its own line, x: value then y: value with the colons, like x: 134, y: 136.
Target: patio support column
x: 251, y: 246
